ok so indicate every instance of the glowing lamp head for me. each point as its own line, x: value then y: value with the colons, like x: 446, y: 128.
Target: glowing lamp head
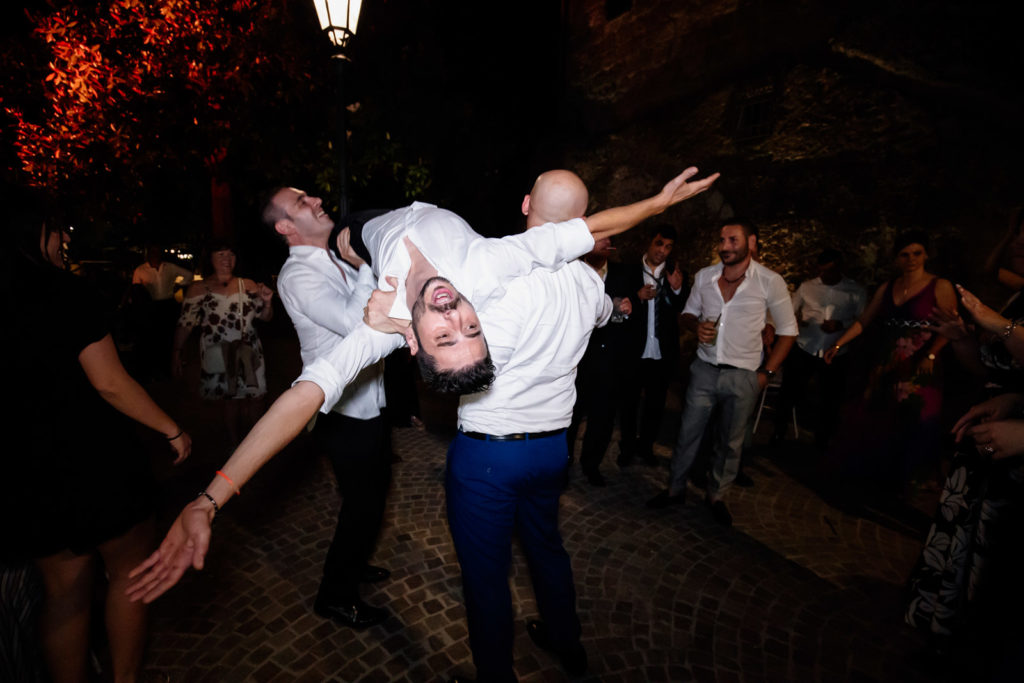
x: 338, y: 19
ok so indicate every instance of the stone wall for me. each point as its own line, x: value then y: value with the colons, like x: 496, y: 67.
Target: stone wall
x: 831, y: 123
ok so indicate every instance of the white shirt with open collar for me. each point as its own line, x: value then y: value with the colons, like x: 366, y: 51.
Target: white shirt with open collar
x: 762, y: 291
x: 326, y: 307
x: 537, y: 334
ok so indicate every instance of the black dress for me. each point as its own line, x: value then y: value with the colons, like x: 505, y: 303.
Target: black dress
x: 72, y: 474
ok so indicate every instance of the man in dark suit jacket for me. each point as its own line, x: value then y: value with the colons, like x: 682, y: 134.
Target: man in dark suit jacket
x: 658, y: 289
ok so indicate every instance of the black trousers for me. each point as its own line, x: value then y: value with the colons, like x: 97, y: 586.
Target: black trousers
x: 800, y: 367
x: 359, y: 451
x: 651, y: 378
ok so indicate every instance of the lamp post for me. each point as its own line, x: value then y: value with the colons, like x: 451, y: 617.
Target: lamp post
x: 338, y: 19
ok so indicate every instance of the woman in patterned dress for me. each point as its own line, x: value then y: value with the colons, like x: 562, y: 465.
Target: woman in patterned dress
x: 893, y: 429
x: 223, y: 307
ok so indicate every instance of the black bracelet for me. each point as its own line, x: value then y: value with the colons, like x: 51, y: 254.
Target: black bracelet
x: 172, y: 438
x: 216, y: 508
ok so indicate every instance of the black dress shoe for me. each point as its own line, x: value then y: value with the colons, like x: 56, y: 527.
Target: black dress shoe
x: 574, y: 661
x: 595, y: 478
x: 663, y: 500
x: 373, y: 574
x: 356, y: 614
x: 719, y: 512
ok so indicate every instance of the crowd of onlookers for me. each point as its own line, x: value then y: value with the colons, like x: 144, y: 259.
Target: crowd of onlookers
x: 879, y: 367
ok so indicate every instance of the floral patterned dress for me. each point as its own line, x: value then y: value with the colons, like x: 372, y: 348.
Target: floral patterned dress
x: 893, y: 429
x: 230, y: 353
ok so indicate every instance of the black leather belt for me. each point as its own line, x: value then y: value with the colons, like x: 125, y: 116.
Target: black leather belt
x: 523, y: 436
x: 723, y: 366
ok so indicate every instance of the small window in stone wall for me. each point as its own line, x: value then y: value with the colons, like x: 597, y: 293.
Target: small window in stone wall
x: 754, y: 109
x: 616, y: 8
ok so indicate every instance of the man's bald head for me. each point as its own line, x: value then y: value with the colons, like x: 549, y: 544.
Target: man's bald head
x: 556, y: 196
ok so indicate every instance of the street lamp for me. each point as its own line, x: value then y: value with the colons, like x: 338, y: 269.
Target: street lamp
x: 338, y: 19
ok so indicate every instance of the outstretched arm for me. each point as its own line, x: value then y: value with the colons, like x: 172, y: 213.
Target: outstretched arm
x: 188, y: 539
x: 990, y: 321
x: 614, y: 221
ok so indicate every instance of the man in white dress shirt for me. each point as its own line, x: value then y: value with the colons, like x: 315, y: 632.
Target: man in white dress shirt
x: 507, y: 464
x: 825, y: 307
x: 728, y: 305
x: 325, y: 296
x: 323, y: 381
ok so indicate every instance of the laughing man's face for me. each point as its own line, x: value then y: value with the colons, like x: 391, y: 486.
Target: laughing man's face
x: 447, y: 326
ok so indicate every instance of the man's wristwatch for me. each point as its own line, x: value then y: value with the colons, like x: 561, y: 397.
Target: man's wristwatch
x: 769, y: 373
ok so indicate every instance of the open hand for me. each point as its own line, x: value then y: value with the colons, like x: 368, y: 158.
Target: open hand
x: 185, y: 545
x: 347, y: 252
x: 675, y: 279
x: 679, y: 189
x: 982, y: 314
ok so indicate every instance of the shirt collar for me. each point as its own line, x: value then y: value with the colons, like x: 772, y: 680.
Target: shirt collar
x: 656, y: 272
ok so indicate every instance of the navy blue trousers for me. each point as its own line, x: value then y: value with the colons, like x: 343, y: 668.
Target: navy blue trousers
x: 495, y: 488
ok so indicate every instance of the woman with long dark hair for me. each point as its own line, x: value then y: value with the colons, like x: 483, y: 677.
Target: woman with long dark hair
x: 75, y: 485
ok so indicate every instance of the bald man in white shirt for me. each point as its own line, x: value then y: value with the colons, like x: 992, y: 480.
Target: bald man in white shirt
x: 507, y: 463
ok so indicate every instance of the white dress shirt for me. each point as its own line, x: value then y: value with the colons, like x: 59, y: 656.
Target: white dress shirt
x: 537, y: 334
x: 160, y: 281
x: 479, y: 268
x: 741, y: 320
x: 817, y: 302
x: 326, y: 307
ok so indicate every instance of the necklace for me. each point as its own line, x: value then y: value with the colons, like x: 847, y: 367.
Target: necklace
x: 732, y: 282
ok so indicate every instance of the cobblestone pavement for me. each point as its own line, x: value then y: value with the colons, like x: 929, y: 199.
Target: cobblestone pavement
x: 796, y: 590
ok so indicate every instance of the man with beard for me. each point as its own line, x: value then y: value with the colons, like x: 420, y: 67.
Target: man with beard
x: 412, y: 248
x: 727, y: 306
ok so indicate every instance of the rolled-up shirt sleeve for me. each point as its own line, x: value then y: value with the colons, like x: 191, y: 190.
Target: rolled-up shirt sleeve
x: 548, y: 246
x: 780, y: 306
x: 334, y: 370
x: 693, y: 302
